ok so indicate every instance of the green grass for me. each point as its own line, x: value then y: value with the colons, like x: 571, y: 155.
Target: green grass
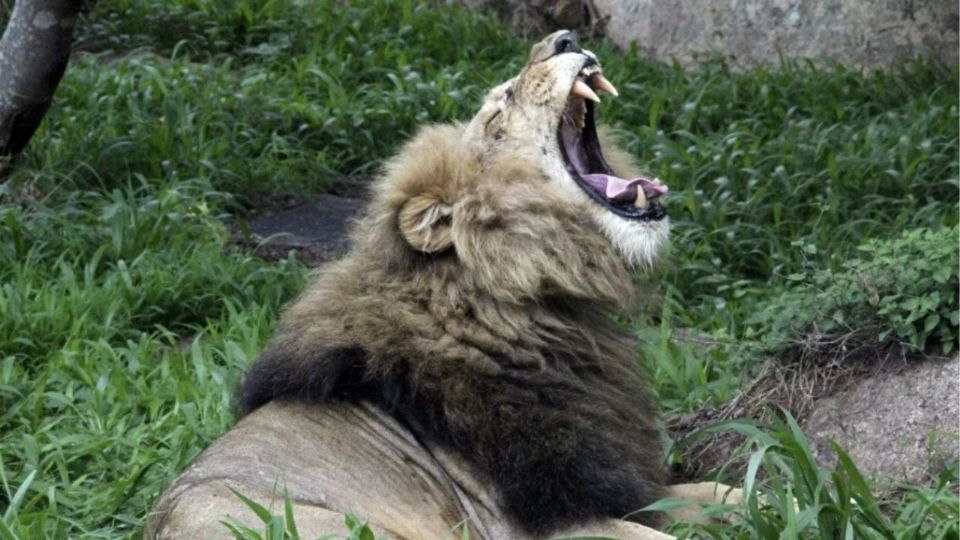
x: 126, y: 323
x: 287, y: 97
x: 127, y: 317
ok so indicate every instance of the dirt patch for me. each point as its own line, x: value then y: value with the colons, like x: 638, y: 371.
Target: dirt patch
x: 315, y: 229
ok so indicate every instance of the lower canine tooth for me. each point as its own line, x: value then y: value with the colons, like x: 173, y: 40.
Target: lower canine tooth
x: 641, y: 200
x: 581, y: 89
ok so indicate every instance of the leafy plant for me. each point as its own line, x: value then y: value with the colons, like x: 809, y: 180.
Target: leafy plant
x: 903, y: 289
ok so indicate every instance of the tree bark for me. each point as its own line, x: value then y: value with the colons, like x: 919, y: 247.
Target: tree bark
x: 34, y: 51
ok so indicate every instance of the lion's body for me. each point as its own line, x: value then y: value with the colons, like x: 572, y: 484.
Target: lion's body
x: 343, y: 458
x: 545, y: 397
x: 475, y: 307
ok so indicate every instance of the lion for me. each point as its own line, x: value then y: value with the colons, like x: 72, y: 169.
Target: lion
x: 460, y: 366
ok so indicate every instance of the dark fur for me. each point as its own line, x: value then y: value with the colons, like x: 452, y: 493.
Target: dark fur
x: 565, y: 443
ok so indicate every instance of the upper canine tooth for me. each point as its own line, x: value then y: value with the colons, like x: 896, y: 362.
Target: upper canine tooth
x: 581, y: 89
x: 604, y: 85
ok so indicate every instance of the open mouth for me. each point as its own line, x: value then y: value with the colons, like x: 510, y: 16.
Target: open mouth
x: 637, y: 198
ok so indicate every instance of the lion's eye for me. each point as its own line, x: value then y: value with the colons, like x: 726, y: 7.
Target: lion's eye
x: 491, y: 119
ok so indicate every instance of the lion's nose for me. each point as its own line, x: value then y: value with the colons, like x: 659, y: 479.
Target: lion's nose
x: 567, y: 42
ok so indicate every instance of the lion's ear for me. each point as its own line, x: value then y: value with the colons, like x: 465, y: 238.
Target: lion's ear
x: 425, y: 223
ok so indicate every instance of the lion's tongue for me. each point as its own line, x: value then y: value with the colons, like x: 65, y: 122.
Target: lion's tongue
x: 618, y: 189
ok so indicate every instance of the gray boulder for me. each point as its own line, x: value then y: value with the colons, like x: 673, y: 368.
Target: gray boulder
x: 900, y: 424
x: 753, y: 32
x: 868, y: 33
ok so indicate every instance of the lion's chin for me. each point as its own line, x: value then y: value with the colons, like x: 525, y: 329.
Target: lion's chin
x: 640, y: 243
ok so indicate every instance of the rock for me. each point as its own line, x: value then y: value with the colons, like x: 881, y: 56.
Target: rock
x: 757, y: 32
x: 900, y: 424
x: 898, y: 418
x: 317, y: 230
x: 870, y: 33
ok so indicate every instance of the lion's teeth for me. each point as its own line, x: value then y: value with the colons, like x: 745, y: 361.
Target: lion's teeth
x: 602, y: 84
x: 581, y: 89
x: 641, y: 200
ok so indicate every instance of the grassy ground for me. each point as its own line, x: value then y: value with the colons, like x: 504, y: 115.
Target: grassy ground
x: 127, y: 318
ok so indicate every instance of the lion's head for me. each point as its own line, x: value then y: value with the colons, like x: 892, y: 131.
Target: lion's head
x: 543, y: 121
x: 551, y: 107
x: 523, y: 195
x: 528, y: 199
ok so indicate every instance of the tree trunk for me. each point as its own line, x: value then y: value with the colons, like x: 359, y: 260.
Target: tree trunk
x: 34, y: 51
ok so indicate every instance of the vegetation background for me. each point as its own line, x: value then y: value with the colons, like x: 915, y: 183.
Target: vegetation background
x: 801, y: 197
